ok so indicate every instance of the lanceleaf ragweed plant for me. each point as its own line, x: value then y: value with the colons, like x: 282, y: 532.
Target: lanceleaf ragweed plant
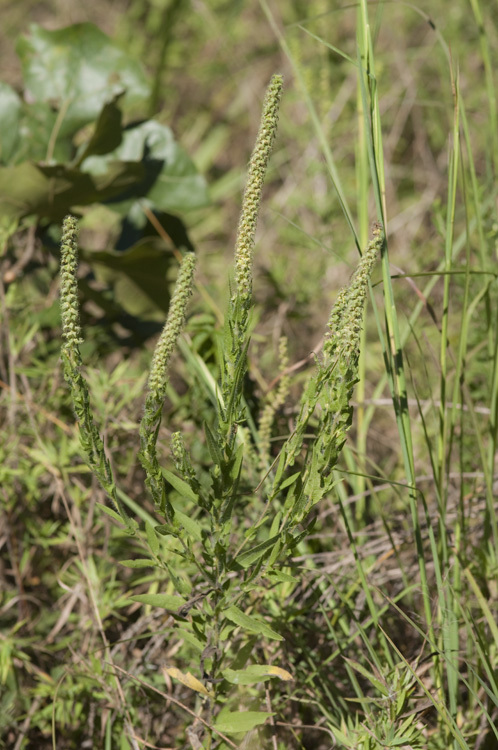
x: 223, y: 544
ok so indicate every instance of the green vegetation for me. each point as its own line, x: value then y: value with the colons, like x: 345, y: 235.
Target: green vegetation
x: 220, y: 528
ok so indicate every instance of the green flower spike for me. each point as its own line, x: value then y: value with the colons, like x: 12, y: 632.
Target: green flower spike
x: 90, y: 438
x: 158, y: 380
x: 252, y: 196
x: 341, y: 353
x: 236, y: 322
x: 332, y: 386
x: 71, y: 331
x: 346, y: 317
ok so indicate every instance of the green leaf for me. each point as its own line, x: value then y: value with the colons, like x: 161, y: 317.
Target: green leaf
x: 190, y: 638
x: 248, y: 558
x: 10, y: 111
x: 180, y: 485
x: 110, y: 512
x: 152, y: 538
x: 36, y: 143
x: 138, y: 563
x: 163, y: 601
x: 282, y: 577
x: 212, y: 445
x: 191, y: 527
x: 275, y: 524
x: 236, y: 722
x: 368, y: 676
x: 280, y: 469
x: 52, y: 190
x: 108, y: 131
x: 8, y: 227
x: 234, y: 614
x: 236, y: 465
x: 78, y: 70
x: 275, y: 552
x: 166, y: 529
x: 290, y: 480
x: 138, y: 276
x: 171, y: 181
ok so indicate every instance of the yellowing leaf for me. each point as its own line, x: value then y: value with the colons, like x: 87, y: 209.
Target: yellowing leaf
x: 283, y: 674
x: 188, y: 680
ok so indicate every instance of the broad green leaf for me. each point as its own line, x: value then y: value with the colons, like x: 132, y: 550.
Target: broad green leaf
x: 234, y: 614
x: 180, y: 485
x: 235, y: 722
x: 10, y: 111
x: 36, y: 143
x: 152, y: 538
x: 255, y: 673
x: 78, y: 69
x: 248, y: 558
x: 171, y: 181
x: 52, y: 190
x: 138, y: 563
x: 163, y: 601
x: 188, y: 680
x: 108, y: 131
x: 138, y: 276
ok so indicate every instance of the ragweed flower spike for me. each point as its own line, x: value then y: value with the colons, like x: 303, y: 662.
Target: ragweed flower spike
x: 158, y: 377
x: 347, y: 314
x: 71, y: 331
x: 252, y: 196
x: 332, y: 386
x: 158, y: 380
x: 90, y: 438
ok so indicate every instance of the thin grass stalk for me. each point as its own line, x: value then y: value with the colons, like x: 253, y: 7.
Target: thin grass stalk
x: 446, y: 609
x: 315, y: 119
x: 363, y: 181
x: 489, y: 75
x: 492, y: 338
x: 393, y: 352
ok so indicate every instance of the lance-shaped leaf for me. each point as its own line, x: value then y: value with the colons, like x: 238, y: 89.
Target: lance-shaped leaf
x: 235, y: 722
x: 234, y: 614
